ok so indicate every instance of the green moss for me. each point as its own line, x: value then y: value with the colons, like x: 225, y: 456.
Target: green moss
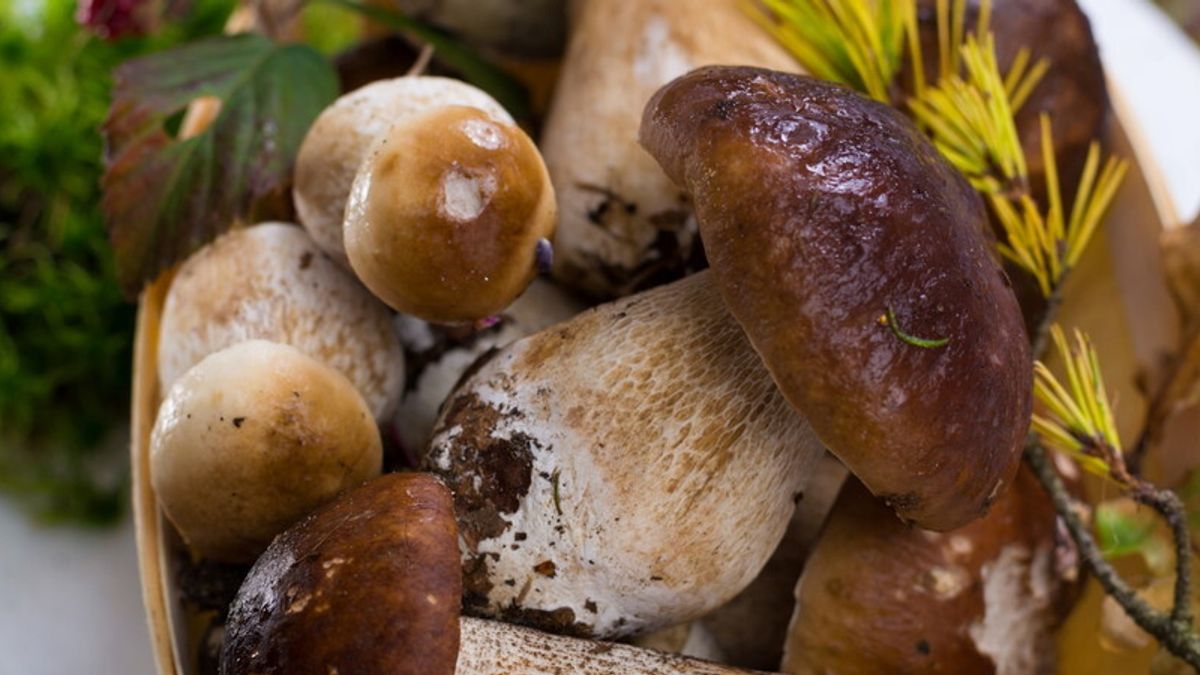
x: 65, y: 332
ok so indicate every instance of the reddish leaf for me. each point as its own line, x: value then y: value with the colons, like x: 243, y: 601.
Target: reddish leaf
x: 165, y: 197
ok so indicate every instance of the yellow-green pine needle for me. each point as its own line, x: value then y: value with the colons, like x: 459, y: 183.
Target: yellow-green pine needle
x: 970, y: 119
x: 859, y: 43
x: 1048, y: 246
x: 1078, y: 412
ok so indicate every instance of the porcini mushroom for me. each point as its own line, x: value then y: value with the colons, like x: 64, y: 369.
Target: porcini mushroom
x: 627, y: 470
x: 446, y: 215
x: 370, y: 584
x: 338, y: 141
x: 623, y: 225
x: 635, y: 466
x: 250, y: 440
x: 879, y: 597
x: 271, y: 282
x: 750, y: 630
x: 856, y: 260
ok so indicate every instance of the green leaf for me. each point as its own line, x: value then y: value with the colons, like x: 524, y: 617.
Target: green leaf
x: 1122, y: 530
x: 474, y: 68
x: 165, y: 197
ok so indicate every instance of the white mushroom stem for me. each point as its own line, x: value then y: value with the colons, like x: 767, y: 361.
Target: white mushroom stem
x: 621, y: 220
x: 630, y: 469
x: 494, y: 648
x: 750, y: 630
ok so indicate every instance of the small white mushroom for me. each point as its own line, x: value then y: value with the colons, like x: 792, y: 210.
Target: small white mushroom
x: 630, y: 469
x: 253, y: 438
x: 271, y: 282
x: 338, y: 141
x: 622, y: 222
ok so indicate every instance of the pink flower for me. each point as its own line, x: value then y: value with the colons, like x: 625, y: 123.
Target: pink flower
x: 112, y: 19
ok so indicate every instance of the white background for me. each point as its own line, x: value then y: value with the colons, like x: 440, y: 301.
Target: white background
x: 70, y: 603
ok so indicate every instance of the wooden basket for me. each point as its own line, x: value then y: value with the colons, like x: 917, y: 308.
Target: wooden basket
x: 1121, y: 300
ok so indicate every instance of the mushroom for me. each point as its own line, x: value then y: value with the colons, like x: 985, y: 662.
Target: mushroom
x: 271, y: 282
x: 855, y: 258
x: 250, y: 440
x: 497, y: 648
x: 635, y: 467
x: 447, y: 213
x: 623, y: 225
x: 1072, y: 92
x: 437, y: 356
x: 624, y: 471
x: 879, y: 597
x: 338, y: 141
x: 370, y: 584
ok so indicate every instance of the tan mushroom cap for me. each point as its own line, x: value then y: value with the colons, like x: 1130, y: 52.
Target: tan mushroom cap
x: 253, y: 438
x: 446, y: 213
x: 339, y: 139
x: 878, y: 596
x: 271, y: 282
x: 368, y: 584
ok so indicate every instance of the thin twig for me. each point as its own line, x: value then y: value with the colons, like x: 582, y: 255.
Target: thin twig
x: 1175, y: 631
x: 1038, y: 340
x: 1168, y: 505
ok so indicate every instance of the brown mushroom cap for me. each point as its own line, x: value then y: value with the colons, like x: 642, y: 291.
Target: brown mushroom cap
x: 880, y: 597
x: 339, y: 139
x: 368, y: 584
x: 826, y: 217
x: 445, y: 215
x: 253, y: 438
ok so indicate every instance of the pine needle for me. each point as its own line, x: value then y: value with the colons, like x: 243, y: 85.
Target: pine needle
x: 859, y: 43
x: 970, y: 117
x: 968, y: 113
x: 1047, y: 245
x: 1076, y: 417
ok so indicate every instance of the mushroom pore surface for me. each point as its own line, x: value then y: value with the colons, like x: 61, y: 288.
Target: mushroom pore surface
x: 627, y: 470
x: 836, y: 233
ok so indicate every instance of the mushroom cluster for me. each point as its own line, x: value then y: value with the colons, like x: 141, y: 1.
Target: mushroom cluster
x: 437, y: 462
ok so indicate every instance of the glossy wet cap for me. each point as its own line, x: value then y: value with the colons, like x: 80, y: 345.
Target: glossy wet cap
x: 369, y: 584
x: 446, y: 213
x: 855, y: 258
